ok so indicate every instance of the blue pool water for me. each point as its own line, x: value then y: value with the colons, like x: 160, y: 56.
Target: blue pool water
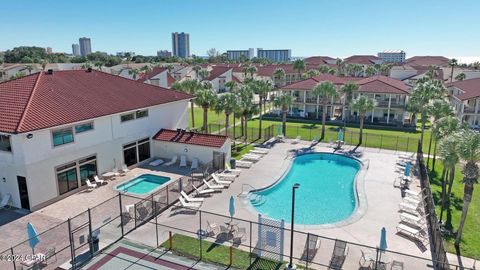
x: 142, y: 184
x: 326, y: 194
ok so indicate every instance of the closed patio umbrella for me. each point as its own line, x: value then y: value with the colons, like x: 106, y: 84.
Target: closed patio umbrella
x: 340, y: 135
x: 231, y: 208
x: 407, y: 169
x: 33, y: 238
x: 383, y: 243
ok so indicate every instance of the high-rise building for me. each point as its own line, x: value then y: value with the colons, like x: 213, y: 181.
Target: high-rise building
x: 181, y: 44
x: 75, y: 49
x: 48, y: 50
x: 392, y: 56
x: 85, y: 46
x: 275, y: 55
x: 237, y: 54
x: 164, y: 54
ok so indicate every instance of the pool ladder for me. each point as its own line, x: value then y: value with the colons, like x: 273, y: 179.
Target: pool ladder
x: 257, y: 199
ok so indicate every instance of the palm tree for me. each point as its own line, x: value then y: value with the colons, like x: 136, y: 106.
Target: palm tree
x: 310, y: 73
x: 231, y: 85
x: 460, y: 77
x: 423, y: 93
x: 437, y: 109
x: 279, y: 76
x: 86, y: 65
x: 322, y: 68
x: 299, y: 66
x: 205, y: 98
x: 348, y: 90
x: 44, y: 64
x: 332, y: 71
x: 128, y: 57
x: 203, y: 74
x: 146, y: 69
x: 370, y: 71
x: 134, y: 72
x: 385, y: 69
x: 251, y: 70
x: 169, y: 67
x: 29, y: 68
x: 99, y: 65
x: 284, y: 101
x: 191, y: 87
x: 245, y: 108
x: 340, y: 67
x: 261, y: 88
x: 448, y: 150
x: 196, y: 68
x: 469, y: 152
x: 432, y: 72
x: 452, y: 63
x: 326, y: 90
x: 362, y: 105
x: 227, y: 104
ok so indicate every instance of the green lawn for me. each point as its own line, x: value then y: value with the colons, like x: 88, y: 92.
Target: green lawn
x: 219, y: 254
x: 240, y: 150
x: 213, y: 118
x: 470, y: 245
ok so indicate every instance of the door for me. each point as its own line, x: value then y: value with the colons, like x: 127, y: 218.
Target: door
x: 218, y: 160
x: 22, y: 189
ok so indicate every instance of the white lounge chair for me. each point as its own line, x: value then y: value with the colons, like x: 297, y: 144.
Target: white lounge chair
x: 257, y: 152
x: 412, y: 219
x: 262, y: 149
x: 90, y: 185
x: 227, y: 176
x: 194, y: 164
x: 183, y: 161
x: 5, y: 203
x: 251, y: 157
x: 412, y: 200
x: 172, y: 161
x: 213, y: 186
x: 190, y: 199
x: 232, y: 171
x: 297, y: 139
x: 410, y: 231
x: 194, y: 205
x: 125, y: 169
x: 221, y: 182
x: 156, y: 162
x: 98, y: 180
x: 203, y: 191
x: 414, y: 194
x: 406, y: 207
x: 244, y: 163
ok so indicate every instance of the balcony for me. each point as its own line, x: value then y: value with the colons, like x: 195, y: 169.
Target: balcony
x: 384, y: 103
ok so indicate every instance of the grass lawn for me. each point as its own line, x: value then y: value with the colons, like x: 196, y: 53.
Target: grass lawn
x: 240, y: 150
x: 213, y: 117
x: 219, y: 254
x: 470, y: 245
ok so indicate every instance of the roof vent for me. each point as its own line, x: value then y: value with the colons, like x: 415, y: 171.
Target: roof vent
x: 89, y: 69
x: 50, y: 71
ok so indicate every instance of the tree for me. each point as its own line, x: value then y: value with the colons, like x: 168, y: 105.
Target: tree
x: 299, y: 66
x: 99, y: 65
x: 245, y: 108
x: 370, y: 71
x: 284, y: 101
x: 385, y: 69
x: 205, y: 98
x: 448, y: 150
x: 232, y: 86
x: 261, y: 88
x: 44, y: 64
x: 452, y: 63
x: 437, y: 109
x: 469, y: 152
x: 279, y: 77
x: 425, y: 91
x: 310, y: 73
x: 203, y: 73
x: 460, y: 77
x: 169, y: 67
x: 249, y: 70
x: 196, y: 68
x: 326, y: 90
x: 29, y: 68
x: 347, y: 91
x: 340, y: 67
x: 227, y: 103
x: 146, y: 69
x: 134, y: 72
x: 128, y: 58
x: 86, y: 65
x: 322, y: 68
x: 362, y: 105
x: 432, y: 72
x: 191, y: 87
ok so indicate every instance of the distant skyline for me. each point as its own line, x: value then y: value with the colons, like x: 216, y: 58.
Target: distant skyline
x: 312, y: 27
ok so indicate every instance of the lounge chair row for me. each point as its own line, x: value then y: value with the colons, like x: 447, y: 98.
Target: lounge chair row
x: 412, y: 221
x: 173, y: 160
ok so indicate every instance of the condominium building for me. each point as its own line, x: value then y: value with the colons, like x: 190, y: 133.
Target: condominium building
x: 48, y: 50
x: 85, y: 46
x: 238, y: 54
x: 181, y: 44
x: 465, y: 100
x: 76, y: 50
x: 164, y: 54
x: 275, y: 55
x: 392, y: 56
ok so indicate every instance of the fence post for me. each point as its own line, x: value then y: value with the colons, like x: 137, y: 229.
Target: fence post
x: 121, y: 216
x: 13, y: 256
x: 396, y: 145
x: 156, y: 221
x: 308, y: 245
x: 72, y: 251
x: 250, y: 245
x: 408, y: 142
x: 90, y: 240
x: 167, y: 197
x: 200, y: 233
x: 135, y: 214
x: 381, y: 141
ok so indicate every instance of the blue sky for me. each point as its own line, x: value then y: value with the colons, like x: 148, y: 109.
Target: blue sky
x: 316, y: 27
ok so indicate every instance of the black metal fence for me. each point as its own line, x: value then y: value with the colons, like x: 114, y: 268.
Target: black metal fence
x: 250, y: 134
x: 437, y: 247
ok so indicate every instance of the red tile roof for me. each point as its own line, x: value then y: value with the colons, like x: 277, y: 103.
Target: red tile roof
x: 310, y: 83
x: 236, y: 79
x: 42, y: 100
x: 187, y: 137
x: 362, y: 59
x: 268, y: 70
x: 170, y: 79
x: 216, y: 72
x: 317, y: 60
x: 470, y: 88
x: 154, y: 72
x: 427, y: 61
x: 382, y: 84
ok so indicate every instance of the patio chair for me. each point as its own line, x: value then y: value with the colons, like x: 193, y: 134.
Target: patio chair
x: 213, y: 186
x: 232, y: 171
x: 297, y: 139
x: 418, y: 221
x: 262, y: 149
x: 227, y: 176
x: 98, y: 180
x: 172, y: 161
x: 90, y: 185
x: 190, y: 199
x: 156, y: 162
x: 415, y: 233
x: 49, y: 253
x: 251, y: 157
x: 396, y: 265
x: 194, y: 205
x: 414, y: 194
x: 409, y: 208
x: 311, y: 247
x: 125, y: 169
x: 183, y: 161
x: 257, y: 152
x: 6, y: 200
x: 194, y: 164
x: 244, y: 163
x: 339, y: 254
x: 211, y: 228
x: 203, y: 191
x: 142, y: 212
x: 220, y: 182
x: 365, y: 261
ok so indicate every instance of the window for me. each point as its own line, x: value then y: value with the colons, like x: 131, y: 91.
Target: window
x: 62, y: 136
x: 127, y: 117
x: 136, y: 152
x: 141, y: 113
x: 5, y: 143
x: 87, y: 168
x: 74, y: 174
x: 83, y: 127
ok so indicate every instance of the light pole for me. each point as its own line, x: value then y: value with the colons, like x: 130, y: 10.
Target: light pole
x: 294, y: 187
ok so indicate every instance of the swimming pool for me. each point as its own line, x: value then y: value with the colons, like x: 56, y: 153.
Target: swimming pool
x: 143, y: 184
x: 326, y: 194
